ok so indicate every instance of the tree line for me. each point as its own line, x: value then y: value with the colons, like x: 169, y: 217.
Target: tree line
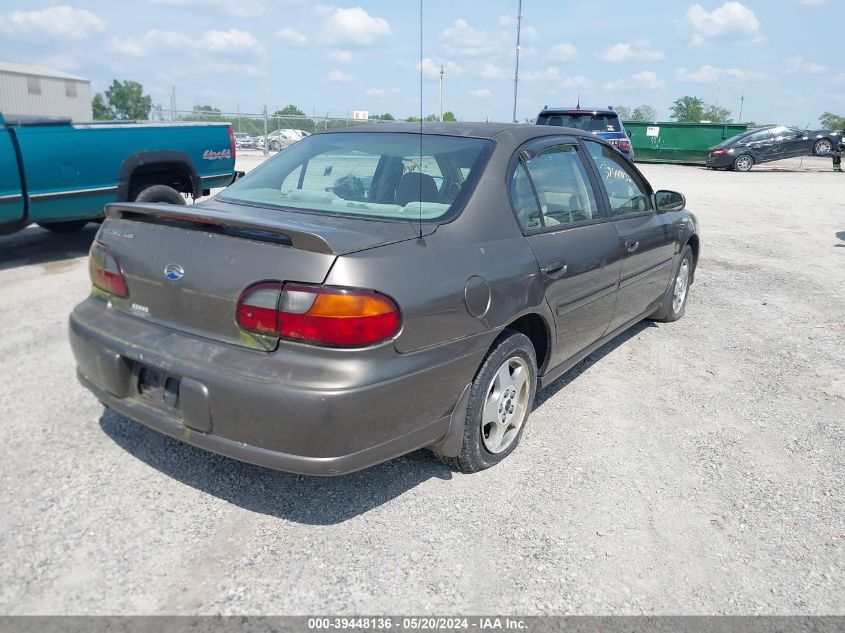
x: 126, y: 100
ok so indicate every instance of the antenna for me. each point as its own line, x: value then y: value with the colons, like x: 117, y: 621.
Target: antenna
x: 516, y: 70
x: 578, y: 105
x: 421, y: 112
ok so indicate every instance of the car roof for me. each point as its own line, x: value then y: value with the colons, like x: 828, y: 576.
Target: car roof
x: 519, y: 132
x: 581, y: 110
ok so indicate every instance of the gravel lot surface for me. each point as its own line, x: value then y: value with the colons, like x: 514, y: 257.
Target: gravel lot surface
x: 686, y: 468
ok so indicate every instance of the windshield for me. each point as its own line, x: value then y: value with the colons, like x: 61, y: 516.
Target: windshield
x: 384, y: 175
x: 598, y: 122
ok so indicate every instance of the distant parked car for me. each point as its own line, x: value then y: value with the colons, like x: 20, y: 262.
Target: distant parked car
x: 773, y: 142
x: 379, y: 289
x: 280, y: 139
x: 602, y: 122
x: 244, y: 140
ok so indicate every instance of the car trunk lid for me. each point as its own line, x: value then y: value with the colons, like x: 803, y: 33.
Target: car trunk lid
x: 186, y: 266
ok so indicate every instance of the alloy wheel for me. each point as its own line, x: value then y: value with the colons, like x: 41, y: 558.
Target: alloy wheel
x: 744, y: 163
x: 681, y: 285
x: 823, y: 147
x: 506, y: 405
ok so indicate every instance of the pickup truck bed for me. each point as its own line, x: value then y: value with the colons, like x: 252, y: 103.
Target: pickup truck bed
x: 60, y: 174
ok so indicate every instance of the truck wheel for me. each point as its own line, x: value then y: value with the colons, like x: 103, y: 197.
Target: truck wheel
x: 500, y: 401
x: 71, y: 226
x: 160, y: 193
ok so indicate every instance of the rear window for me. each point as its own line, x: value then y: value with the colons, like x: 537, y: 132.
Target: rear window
x: 598, y: 122
x: 386, y: 175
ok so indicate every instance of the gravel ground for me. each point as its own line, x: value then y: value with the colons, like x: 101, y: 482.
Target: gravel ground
x: 686, y: 468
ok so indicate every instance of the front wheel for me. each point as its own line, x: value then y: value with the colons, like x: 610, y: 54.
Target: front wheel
x: 743, y: 163
x: 71, y: 226
x: 275, y: 146
x: 822, y: 147
x: 675, y: 301
x: 501, y: 398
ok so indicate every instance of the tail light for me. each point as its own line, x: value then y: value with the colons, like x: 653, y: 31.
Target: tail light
x: 232, y: 144
x: 105, y: 270
x: 718, y: 152
x: 332, y: 317
x: 621, y: 144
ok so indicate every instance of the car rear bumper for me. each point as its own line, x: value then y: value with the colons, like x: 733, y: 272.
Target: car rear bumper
x: 720, y: 161
x: 252, y: 406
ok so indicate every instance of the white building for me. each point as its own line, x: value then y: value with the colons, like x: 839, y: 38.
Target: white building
x: 38, y: 91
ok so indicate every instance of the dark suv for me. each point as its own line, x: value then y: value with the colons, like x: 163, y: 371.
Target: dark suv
x: 604, y: 123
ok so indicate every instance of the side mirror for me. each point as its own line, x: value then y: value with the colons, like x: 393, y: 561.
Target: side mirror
x: 665, y: 200
x: 628, y: 132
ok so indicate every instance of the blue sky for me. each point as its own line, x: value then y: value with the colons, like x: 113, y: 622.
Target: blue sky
x: 782, y: 55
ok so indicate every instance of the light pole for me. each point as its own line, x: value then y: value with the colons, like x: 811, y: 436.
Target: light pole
x: 516, y: 70
x: 441, y: 94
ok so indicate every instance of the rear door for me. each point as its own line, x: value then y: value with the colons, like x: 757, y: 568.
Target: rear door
x: 11, y: 191
x: 555, y: 201
x: 646, y: 239
x: 761, y: 146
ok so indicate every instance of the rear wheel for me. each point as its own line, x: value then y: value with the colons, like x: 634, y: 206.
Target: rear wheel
x: 71, y: 226
x: 822, y: 147
x: 743, y: 163
x: 500, y: 401
x: 160, y: 193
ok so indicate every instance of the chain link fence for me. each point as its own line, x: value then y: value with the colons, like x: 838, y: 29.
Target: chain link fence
x: 269, y: 132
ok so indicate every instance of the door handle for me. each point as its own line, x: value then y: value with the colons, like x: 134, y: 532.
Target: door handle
x: 631, y: 246
x: 554, y: 269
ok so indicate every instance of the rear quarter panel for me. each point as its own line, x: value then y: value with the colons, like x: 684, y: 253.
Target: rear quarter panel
x: 11, y: 200
x: 72, y: 170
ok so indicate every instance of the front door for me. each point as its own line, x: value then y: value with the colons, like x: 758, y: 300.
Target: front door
x: 646, y: 239
x: 793, y: 142
x: 576, y: 247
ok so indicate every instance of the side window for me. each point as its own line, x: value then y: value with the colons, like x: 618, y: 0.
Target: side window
x: 626, y: 191
x: 524, y: 201
x: 757, y: 137
x: 563, y: 187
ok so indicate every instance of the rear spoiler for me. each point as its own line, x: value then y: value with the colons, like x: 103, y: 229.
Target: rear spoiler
x: 298, y: 238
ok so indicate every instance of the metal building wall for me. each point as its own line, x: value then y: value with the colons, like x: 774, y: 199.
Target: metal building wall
x: 15, y: 97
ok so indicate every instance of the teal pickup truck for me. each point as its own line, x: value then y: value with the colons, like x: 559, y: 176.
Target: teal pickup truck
x: 59, y: 174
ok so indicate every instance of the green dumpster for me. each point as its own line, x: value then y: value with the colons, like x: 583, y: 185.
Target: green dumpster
x: 672, y: 142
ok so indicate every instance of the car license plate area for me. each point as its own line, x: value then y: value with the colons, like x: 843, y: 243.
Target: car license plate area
x: 158, y: 388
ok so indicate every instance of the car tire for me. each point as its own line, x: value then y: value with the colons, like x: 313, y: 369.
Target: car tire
x: 160, y: 193
x: 71, y: 226
x: 500, y: 401
x: 674, y: 303
x: 275, y: 146
x: 743, y: 163
x: 822, y: 147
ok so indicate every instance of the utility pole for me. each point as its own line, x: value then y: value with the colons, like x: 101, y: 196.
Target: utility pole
x: 441, y: 94
x: 741, y: 103
x: 516, y: 70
